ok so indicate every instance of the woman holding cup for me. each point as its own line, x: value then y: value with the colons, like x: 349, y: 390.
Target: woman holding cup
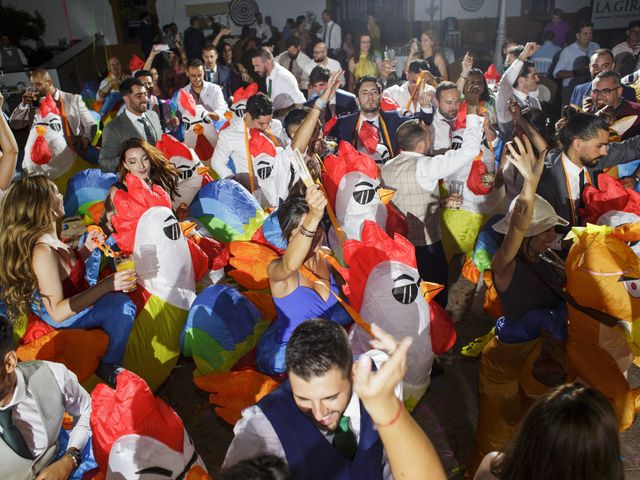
x: 44, y: 275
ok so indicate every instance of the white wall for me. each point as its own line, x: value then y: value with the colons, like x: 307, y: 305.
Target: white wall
x: 279, y: 10
x: 489, y: 9
x: 86, y: 17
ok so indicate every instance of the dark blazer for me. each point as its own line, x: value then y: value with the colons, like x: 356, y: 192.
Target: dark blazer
x: 553, y: 183
x: 117, y: 131
x: 345, y: 127
x: 584, y: 90
x: 224, y: 80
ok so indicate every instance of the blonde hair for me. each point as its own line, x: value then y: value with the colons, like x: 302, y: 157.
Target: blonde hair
x: 26, y: 213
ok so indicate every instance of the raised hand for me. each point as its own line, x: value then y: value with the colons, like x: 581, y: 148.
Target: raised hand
x: 316, y: 202
x: 472, y: 94
x: 524, y: 159
x: 332, y: 86
x: 95, y: 237
x: 515, y: 110
x: 529, y: 49
x: 467, y: 64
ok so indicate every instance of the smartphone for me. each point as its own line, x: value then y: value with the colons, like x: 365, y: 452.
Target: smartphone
x: 164, y: 47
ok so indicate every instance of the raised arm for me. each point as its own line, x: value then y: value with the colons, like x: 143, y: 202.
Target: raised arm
x: 299, y: 245
x: 152, y: 55
x: 530, y: 167
x: 9, y: 148
x: 467, y: 65
x: 538, y: 141
x: 410, y: 452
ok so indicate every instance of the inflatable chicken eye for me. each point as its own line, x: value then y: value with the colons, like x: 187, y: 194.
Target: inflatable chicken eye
x: 185, y: 172
x: 264, y: 169
x: 206, y: 118
x: 632, y: 287
x: 186, y: 123
x: 364, y: 192
x: 172, y: 231
x: 406, y: 293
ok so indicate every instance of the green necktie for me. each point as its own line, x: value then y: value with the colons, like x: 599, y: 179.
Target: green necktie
x: 344, y: 439
x: 12, y: 436
x: 269, y: 88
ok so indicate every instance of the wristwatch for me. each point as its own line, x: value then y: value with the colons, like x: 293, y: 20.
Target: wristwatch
x: 636, y: 178
x: 75, y: 455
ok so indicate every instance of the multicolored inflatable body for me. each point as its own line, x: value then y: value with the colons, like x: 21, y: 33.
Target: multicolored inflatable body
x: 199, y: 131
x: 46, y: 151
x: 384, y: 286
x: 137, y: 436
x: 193, y: 173
x: 603, y: 273
x: 228, y: 211
x: 86, y: 192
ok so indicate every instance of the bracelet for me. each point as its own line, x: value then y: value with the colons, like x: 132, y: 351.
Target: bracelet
x: 307, y: 233
x: 76, y: 456
x: 320, y: 103
x: 315, y: 107
x: 395, y: 419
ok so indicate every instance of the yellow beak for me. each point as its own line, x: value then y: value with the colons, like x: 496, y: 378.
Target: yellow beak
x: 202, y: 170
x: 430, y: 290
x: 385, y: 195
x: 41, y: 130
x: 198, y: 129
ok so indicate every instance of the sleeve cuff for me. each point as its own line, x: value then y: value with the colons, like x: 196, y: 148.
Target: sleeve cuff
x: 474, y: 120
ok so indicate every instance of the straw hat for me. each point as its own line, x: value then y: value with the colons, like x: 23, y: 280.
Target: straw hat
x: 544, y: 217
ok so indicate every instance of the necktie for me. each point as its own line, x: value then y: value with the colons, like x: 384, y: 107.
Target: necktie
x: 269, y: 87
x: 291, y: 64
x: 344, y: 439
x: 12, y: 436
x: 527, y: 101
x: 581, y: 182
x: 148, y: 131
x: 209, y: 76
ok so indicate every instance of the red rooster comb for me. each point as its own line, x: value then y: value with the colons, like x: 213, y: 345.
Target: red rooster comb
x: 364, y: 255
x: 610, y: 195
x: 187, y: 102
x: 130, y: 206
x: 170, y: 147
x: 136, y: 63
x: 131, y: 409
x: 244, y: 93
x: 47, y: 106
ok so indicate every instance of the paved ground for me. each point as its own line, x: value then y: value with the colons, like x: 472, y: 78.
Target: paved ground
x: 448, y: 412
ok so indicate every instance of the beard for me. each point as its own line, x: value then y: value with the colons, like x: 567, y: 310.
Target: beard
x: 371, y: 108
x: 590, y: 162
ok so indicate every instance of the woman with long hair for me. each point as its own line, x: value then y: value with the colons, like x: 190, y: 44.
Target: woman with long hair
x: 427, y: 50
x: 43, y: 274
x: 572, y: 432
x: 366, y: 65
x: 301, y: 31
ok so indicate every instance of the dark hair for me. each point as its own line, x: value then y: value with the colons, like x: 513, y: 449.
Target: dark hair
x: 319, y: 74
x: 7, y: 343
x: 126, y: 86
x: 289, y: 214
x: 557, y: 12
x: 569, y: 433
x: 363, y: 80
x: 193, y: 20
x: 604, y: 51
x: 417, y: 65
x: 195, y: 63
x: 295, y: 117
x: 524, y: 71
x: 263, y: 53
x: 409, y: 134
x: 262, y: 467
x: 583, y: 24
x: 258, y: 105
x: 539, y: 121
x: 300, y: 19
x: 142, y: 73
x: 485, y: 96
x: 446, y: 85
x: 161, y: 171
x: 209, y: 46
x: 580, y: 125
x: 609, y: 74
x: 292, y: 41
x: 315, y: 347
x: 549, y: 35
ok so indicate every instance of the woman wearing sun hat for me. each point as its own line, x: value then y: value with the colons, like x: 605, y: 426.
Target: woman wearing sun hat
x: 527, y: 278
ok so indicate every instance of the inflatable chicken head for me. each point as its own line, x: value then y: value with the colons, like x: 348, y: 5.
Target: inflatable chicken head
x: 137, y: 436
x: 384, y: 286
x: 352, y: 181
x: 199, y: 131
x: 147, y: 228
x: 240, y: 97
x: 603, y: 273
x: 46, y: 151
x: 193, y: 173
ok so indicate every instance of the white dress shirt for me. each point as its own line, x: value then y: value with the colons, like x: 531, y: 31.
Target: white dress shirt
x: 569, y: 54
x: 283, y: 88
x: 625, y: 47
x: 26, y: 415
x: 329, y: 63
x: 138, y: 125
x: 441, y: 132
x: 254, y: 434
x: 401, y: 95
x: 9, y: 51
x: 298, y: 67
x: 506, y: 91
x: 331, y: 35
x: 573, y: 178
x: 211, y: 98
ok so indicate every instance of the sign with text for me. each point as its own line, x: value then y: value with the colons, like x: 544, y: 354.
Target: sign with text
x: 607, y: 14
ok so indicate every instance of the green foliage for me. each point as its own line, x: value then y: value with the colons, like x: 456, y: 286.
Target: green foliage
x: 20, y: 24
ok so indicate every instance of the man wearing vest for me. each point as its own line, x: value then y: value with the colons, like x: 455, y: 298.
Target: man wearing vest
x: 81, y: 125
x: 314, y: 419
x: 33, y: 399
x: 12, y: 58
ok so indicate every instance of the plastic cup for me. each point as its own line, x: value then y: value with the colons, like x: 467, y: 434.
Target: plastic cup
x: 489, y: 178
x: 456, y: 189
x: 125, y: 262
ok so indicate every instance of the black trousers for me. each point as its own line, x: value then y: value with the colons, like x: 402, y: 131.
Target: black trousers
x: 433, y: 267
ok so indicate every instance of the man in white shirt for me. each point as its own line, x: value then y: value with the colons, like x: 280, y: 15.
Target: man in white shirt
x: 331, y: 34
x: 406, y: 95
x: 415, y: 175
x: 263, y: 31
x: 448, y: 101
x: 296, y: 61
x: 282, y: 86
x: 321, y: 59
x: 33, y: 399
x: 314, y: 419
x: 519, y: 81
x: 230, y: 156
x: 12, y: 58
x: 565, y: 69
x: 207, y: 94
x: 632, y: 44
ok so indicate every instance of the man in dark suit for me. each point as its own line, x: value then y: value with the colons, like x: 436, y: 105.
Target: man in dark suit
x: 135, y: 121
x: 586, y: 153
x: 342, y: 104
x: 215, y: 72
x: 193, y: 39
x: 372, y: 130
